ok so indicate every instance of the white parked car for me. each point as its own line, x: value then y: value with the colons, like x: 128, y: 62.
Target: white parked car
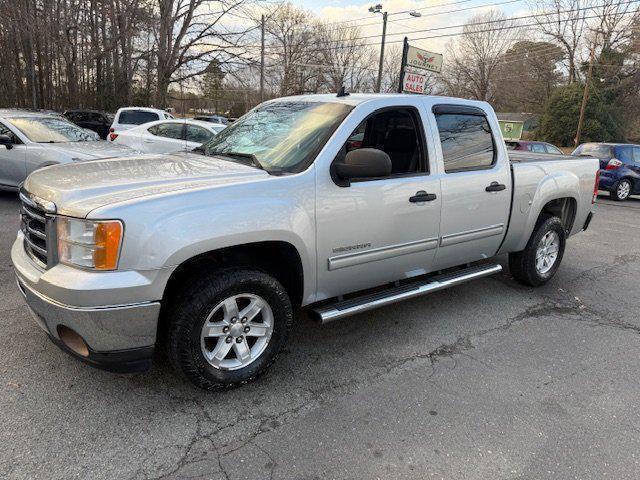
x: 31, y: 140
x: 168, y: 136
x: 130, y: 117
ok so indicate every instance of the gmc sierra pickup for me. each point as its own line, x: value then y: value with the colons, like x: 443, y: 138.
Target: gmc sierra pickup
x: 338, y: 204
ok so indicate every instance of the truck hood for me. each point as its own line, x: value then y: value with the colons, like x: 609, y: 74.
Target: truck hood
x: 79, y: 188
x: 92, y: 150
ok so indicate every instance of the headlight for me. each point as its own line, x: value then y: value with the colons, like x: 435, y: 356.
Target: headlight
x: 89, y: 243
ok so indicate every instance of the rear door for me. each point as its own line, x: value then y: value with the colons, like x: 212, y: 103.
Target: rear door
x: 476, y: 185
x: 164, y: 137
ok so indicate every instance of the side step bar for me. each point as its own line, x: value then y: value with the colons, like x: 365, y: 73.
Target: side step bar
x: 334, y: 311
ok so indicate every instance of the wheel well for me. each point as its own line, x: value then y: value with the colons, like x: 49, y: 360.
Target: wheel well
x: 564, y: 209
x: 279, y: 259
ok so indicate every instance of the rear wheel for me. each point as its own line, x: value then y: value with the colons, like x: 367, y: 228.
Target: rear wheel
x: 622, y: 190
x: 541, y: 258
x: 227, y: 329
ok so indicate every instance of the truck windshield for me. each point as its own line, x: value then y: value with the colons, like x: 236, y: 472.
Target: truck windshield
x: 51, y: 130
x: 281, y: 136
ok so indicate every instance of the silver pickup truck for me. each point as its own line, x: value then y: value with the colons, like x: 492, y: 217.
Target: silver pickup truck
x: 339, y: 204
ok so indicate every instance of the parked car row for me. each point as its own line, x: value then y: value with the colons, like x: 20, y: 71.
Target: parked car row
x: 30, y: 140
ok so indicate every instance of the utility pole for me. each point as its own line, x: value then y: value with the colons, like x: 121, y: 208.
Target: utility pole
x: 262, y: 59
x: 378, y: 9
x: 585, y: 96
x: 585, y: 93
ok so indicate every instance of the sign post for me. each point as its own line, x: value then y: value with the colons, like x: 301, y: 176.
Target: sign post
x: 417, y: 59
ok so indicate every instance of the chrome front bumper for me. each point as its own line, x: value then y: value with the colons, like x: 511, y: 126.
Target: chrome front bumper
x: 119, y: 336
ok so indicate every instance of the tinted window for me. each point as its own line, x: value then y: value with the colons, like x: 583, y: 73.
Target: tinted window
x: 597, y: 150
x: 466, y: 141
x: 636, y: 154
x: 137, y: 117
x: 394, y: 132
x: 624, y: 154
x: 5, y: 131
x: 167, y: 130
x: 552, y: 149
x: 537, y: 148
x: 198, y: 134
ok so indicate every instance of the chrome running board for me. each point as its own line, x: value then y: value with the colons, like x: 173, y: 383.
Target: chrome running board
x: 334, y: 311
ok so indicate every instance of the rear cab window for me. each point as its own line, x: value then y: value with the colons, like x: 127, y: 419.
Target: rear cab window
x: 465, y: 137
x: 136, y: 117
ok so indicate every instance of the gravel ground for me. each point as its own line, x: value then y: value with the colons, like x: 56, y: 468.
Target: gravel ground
x: 489, y: 380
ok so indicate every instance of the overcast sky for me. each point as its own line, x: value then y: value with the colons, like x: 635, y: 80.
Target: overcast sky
x: 338, y: 11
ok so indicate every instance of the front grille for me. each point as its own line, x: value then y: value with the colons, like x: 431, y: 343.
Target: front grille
x: 35, y: 224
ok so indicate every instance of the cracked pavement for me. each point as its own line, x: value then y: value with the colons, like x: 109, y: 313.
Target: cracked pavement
x: 487, y: 380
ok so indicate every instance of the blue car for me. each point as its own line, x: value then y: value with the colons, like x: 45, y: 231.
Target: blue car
x: 619, y: 167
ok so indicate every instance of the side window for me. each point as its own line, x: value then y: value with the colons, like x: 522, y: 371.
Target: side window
x: 395, y: 132
x: 198, y: 134
x: 467, y: 143
x: 552, y: 149
x: 624, y: 154
x: 4, y: 130
x: 537, y: 148
x: 636, y: 154
x: 167, y: 130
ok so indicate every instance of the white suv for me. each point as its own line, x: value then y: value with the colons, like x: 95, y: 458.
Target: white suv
x: 129, y: 117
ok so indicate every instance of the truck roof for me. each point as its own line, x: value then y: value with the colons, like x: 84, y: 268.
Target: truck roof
x: 358, y: 98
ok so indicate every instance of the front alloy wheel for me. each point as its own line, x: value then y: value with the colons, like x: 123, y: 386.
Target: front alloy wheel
x: 227, y: 327
x: 237, y: 331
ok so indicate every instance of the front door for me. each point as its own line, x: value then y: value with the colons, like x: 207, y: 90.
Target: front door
x: 12, y: 161
x: 476, y: 186
x: 379, y: 230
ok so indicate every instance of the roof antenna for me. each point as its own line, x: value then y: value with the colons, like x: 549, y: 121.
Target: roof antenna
x: 342, y: 92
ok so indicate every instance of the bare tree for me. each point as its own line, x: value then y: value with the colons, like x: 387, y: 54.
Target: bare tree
x: 564, y: 21
x: 475, y: 56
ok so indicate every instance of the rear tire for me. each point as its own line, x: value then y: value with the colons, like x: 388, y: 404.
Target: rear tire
x: 227, y: 328
x: 539, y: 261
x: 621, y: 190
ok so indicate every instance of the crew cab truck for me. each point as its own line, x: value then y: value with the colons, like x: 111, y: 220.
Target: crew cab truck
x: 338, y: 204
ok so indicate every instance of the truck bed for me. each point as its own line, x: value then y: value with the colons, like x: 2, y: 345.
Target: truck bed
x: 518, y: 156
x: 538, y: 178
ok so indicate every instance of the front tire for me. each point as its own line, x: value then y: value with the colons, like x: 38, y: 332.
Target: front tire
x: 227, y: 329
x: 622, y: 190
x: 539, y: 261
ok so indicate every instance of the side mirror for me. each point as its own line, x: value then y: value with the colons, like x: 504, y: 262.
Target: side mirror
x: 364, y: 163
x: 6, y: 141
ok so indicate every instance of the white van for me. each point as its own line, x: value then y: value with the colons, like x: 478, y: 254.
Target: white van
x: 129, y: 117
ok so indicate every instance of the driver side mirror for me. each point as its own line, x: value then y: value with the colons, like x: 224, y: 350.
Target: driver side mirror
x: 363, y: 163
x: 6, y: 141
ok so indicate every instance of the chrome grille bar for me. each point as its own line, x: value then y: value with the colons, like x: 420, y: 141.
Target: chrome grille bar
x: 35, y: 226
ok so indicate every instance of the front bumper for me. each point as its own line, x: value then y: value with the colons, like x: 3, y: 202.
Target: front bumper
x: 118, y: 338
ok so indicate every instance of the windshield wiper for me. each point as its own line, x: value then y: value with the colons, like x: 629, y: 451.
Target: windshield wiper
x: 254, y: 160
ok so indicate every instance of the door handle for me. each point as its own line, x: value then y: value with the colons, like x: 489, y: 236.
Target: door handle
x: 422, y: 196
x: 495, y: 187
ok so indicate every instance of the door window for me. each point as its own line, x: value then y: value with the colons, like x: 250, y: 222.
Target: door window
x: 537, y: 148
x: 636, y: 154
x: 167, y: 130
x: 552, y: 149
x: 395, y: 132
x: 198, y: 134
x: 467, y: 142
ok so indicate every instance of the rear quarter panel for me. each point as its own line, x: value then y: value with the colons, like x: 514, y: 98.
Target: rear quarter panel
x: 536, y: 183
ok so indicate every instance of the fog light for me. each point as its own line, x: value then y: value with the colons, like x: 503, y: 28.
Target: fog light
x: 73, y: 341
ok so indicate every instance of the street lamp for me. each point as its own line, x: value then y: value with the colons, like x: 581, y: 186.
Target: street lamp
x: 415, y: 13
x: 378, y: 9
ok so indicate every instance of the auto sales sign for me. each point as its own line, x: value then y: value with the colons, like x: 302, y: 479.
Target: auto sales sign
x: 418, y: 58
x: 414, y: 82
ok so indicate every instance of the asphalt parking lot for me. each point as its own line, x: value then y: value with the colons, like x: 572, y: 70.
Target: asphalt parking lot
x: 490, y: 380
